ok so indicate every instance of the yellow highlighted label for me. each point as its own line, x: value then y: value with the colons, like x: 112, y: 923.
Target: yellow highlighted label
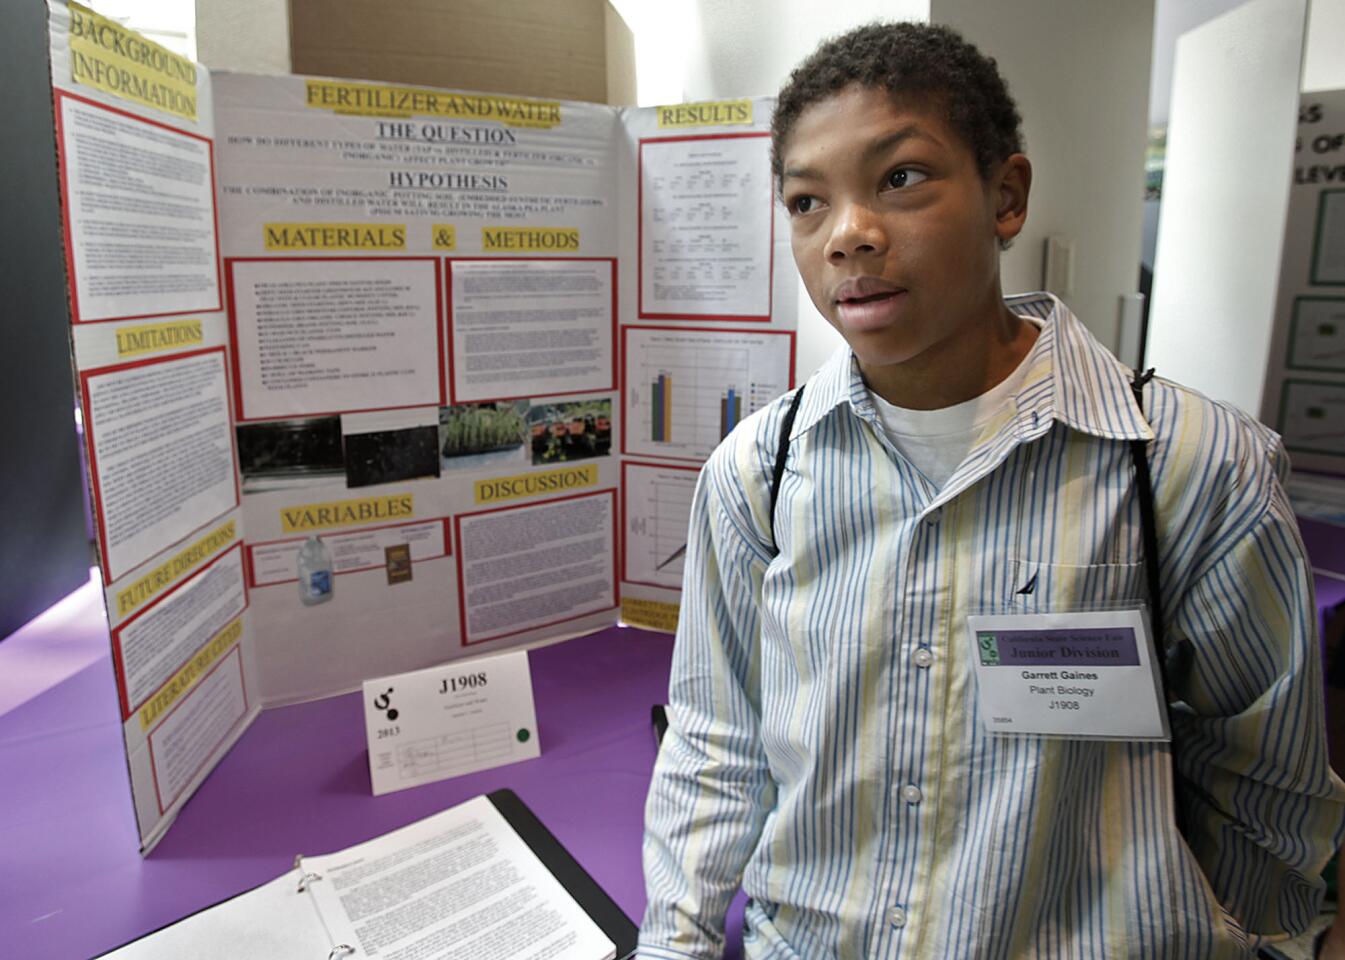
x: 650, y: 614
x: 346, y: 513
x: 334, y: 236
x: 715, y: 113
x: 153, y: 337
x: 530, y: 239
x: 175, y: 568
x: 531, y: 484
x: 445, y: 236
x: 186, y: 678
x: 377, y: 100
x: 108, y: 57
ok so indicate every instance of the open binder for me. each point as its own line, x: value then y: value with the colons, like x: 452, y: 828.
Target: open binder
x: 485, y: 878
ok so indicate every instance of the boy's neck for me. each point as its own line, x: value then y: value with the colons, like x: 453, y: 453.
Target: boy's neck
x: 959, y: 368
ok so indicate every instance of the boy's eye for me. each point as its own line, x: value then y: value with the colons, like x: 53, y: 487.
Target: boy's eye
x: 904, y: 177
x: 802, y: 204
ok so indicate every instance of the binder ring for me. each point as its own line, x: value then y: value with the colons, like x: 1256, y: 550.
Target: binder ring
x: 341, y: 950
x: 307, y: 879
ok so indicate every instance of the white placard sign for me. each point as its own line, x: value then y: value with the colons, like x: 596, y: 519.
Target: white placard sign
x: 449, y: 720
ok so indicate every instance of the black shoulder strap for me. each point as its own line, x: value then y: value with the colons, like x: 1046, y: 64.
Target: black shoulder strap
x: 782, y: 452
x: 1148, y: 524
x: 1173, y: 662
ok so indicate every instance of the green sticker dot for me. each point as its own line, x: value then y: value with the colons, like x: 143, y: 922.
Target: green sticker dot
x: 523, y: 735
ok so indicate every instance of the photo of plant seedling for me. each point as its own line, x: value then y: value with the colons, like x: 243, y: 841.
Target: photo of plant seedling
x: 562, y: 432
x: 477, y: 435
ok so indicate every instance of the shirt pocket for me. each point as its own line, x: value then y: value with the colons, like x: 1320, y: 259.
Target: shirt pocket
x: 1035, y: 587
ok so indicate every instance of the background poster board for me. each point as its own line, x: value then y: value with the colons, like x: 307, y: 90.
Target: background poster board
x: 1305, y: 382
x: 355, y: 360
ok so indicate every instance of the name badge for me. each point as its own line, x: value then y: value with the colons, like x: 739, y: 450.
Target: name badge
x: 1081, y: 675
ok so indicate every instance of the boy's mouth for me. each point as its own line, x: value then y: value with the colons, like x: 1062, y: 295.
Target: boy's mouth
x: 867, y: 302
x: 866, y: 290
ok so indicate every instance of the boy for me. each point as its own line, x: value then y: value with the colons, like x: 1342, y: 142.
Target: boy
x: 965, y: 456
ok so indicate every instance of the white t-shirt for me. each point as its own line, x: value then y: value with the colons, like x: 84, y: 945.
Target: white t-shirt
x: 937, y: 441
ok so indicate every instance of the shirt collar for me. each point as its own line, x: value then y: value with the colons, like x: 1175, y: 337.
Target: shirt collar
x: 1071, y: 378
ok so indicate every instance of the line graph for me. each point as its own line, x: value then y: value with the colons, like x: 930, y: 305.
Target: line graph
x: 658, y: 508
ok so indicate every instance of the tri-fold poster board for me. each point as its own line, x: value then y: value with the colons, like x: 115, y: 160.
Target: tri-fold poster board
x: 375, y: 376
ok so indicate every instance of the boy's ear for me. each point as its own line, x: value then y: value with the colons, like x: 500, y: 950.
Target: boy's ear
x: 1012, y: 183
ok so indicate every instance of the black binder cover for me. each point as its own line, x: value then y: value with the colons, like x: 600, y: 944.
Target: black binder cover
x: 574, y: 878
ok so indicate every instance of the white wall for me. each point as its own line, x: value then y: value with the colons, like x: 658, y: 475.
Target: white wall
x: 1324, y: 54
x: 248, y: 35
x: 1225, y: 194
x: 743, y: 47
x: 1080, y: 74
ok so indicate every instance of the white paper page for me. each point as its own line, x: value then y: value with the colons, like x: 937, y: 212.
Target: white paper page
x: 706, y: 210
x: 459, y: 884
x: 275, y: 920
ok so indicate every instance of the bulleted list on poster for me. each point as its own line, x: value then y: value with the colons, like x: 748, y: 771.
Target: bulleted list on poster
x: 317, y: 336
x: 141, y: 209
x: 162, y: 453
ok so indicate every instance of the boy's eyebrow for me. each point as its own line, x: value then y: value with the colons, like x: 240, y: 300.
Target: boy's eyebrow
x: 881, y: 145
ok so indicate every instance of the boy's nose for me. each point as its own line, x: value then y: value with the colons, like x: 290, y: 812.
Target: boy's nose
x: 857, y: 231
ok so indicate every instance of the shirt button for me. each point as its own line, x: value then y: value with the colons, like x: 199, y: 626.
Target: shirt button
x: 896, y: 916
x: 911, y: 793
x: 933, y: 518
x: 923, y: 658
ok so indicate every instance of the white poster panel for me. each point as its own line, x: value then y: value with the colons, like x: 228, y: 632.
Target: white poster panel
x: 684, y: 390
x: 161, y: 452
x: 330, y: 335
x: 524, y: 568
x: 706, y: 221
x: 655, y: 514
x: 1305, y: 374
x: 531, y: 327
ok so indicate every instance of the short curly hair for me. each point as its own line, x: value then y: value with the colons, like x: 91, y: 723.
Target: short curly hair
x: 908, y: 60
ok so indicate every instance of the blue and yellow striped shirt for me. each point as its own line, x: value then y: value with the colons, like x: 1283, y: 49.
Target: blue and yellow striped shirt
x: 825, y: 747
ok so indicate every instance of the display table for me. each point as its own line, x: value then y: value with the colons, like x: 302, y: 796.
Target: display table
x: 72, y: 883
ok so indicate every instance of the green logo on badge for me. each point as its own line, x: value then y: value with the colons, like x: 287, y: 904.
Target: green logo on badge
x: 989, y: 647
x: 523, y: 735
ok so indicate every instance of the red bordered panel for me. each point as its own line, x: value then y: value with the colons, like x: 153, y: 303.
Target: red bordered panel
x: 235, y: 654
x: 448, y: 286
x: 639, y: 245
x: 252, y: 546
x: 233, y: 333
x: 625, y: 520
x: 701, y: 331
x: 128, y: 709
x: 462, y: 590
x: 75, y: 316
x: 110, y: 575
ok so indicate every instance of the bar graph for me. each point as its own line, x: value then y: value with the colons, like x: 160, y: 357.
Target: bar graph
x: 690, y: 388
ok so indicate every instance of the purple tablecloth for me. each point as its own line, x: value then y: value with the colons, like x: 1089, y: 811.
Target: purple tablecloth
x: 72, y: 883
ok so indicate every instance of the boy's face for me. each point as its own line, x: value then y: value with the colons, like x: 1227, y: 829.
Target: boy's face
x: 895, y: 232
